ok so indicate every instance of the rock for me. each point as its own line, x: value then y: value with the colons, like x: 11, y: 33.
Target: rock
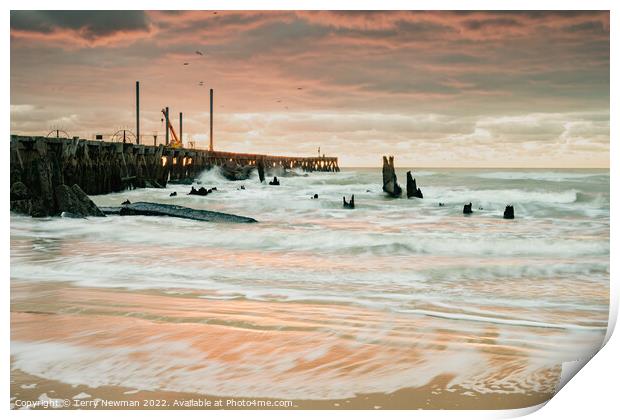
x: 87, y: 202
x: 74, y: 200
x: 156, y: 209
x: 173, y: 194
x: 316, y: 196
x: 441, y: 204
x: 467, y: 209
x: 215, y: 189
x: 350, y: 204
x: 242, y: 187
x: 412, y: 189
x: 21, y: 206
x: 124, y: 203
x: 509, y: 213
x: 19, y: 191
x: 232, y: 171
x: 201, y: 191
x: 275, y: 181
x: 390, y: 185
x: 260, y: 165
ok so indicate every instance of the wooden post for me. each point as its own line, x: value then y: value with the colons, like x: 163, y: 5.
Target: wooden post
x: 137, y: 112
x: 167, y: 133
x: 211, y: 120
x: 181, y: 127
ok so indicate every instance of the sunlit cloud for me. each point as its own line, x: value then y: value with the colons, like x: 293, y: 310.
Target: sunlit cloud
x: 435, y: 88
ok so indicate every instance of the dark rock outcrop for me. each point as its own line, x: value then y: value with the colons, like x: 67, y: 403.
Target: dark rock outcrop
x: 201, y: 191
x: 232, y: 171
x: 173, y: 194
x: 156, y: 209
x: 75, y: 201
x: 390, y: 185
x: 467, y: 209
x: 124, y: 203
x: 275, y: 181
x: 350, y: 204
x: 412, y: 189
x: 509, y: 213
x: 19, y: 191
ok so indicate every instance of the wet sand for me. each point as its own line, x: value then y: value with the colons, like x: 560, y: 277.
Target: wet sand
x: 430, y: 397
x: 180, y: 344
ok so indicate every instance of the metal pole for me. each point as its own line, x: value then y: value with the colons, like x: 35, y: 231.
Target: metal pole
x: 211, y: 121
x: 181, y: 127
x: 137, y: 112
x: 167, y: 133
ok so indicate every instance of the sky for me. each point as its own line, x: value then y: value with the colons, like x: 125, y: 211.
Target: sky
x: 446, y: 89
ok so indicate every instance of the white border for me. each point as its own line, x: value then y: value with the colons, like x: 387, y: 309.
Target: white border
x: 592, y: 394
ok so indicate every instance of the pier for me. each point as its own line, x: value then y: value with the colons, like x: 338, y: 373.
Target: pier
x: 100, y: 167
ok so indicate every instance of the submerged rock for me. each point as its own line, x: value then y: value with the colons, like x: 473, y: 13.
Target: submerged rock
x: 156, y: 209
x: 467, y: 209
x: 111, y: 210
x: 75, y: 201
x: 390, y: 185
x: 412, y: 189
x: 350, y: 204
x: 509, y: 213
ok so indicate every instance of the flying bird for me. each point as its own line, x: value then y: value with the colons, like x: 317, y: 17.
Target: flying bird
x: 299, y: 88
x: 186, y: 64
x: 199, y: 53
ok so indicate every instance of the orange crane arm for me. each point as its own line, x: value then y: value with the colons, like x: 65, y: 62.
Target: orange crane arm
x: 175, y: 140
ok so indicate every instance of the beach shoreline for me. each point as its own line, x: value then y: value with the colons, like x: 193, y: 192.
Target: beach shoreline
x: 428, y: 397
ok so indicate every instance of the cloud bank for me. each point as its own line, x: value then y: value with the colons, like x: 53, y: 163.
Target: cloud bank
x: 434, y: 88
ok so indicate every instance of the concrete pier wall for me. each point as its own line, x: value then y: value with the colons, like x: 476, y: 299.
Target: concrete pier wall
x: 41, y: 164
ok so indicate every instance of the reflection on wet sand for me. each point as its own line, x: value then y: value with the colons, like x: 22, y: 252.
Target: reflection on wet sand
x: 184, y: 342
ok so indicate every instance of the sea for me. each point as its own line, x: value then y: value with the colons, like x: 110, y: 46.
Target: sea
x: 316, y: 301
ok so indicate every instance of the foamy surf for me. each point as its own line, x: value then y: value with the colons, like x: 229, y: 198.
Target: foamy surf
x: 316, y: 301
